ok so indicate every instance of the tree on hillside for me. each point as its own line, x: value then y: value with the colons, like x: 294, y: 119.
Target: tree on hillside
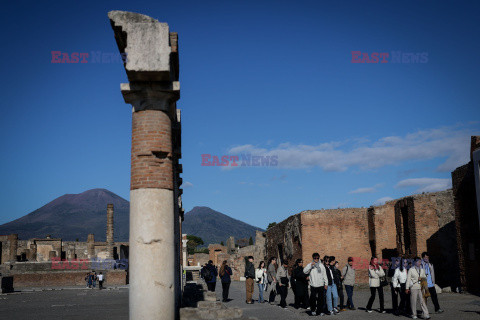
x: 192, y: 243
x: 221, y: 243
x: 271, y: 224
x: 250, y: 241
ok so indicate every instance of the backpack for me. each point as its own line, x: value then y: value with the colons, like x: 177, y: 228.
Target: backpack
x: 207, y: 275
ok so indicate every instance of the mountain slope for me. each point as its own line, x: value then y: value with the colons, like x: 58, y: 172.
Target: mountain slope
x: 214, y: 227
x: 73, y: 216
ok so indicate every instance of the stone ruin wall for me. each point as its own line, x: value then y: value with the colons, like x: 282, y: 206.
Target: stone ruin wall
x: 364, y: 232
x: 236, y: 259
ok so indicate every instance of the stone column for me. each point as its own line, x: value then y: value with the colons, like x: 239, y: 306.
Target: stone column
x: 184, y: 249
x: 13, y: 239
x: 110, y: 231
x: 33, y: 252
x: 91, y: 246
x: 153, y: 89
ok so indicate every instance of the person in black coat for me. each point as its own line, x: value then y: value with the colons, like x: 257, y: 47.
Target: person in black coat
x: 225, y: 274
x: 337, y: 274
x: 300, y: 285
x: 210, y: 276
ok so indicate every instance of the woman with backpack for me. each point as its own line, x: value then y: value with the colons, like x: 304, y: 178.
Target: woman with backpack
x: 375, y: 275
x: 225, y: 274
x: 210, y: 276
x: 261, y: 279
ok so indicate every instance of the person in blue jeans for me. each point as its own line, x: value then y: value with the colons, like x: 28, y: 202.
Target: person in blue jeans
x: 332, y: 287
x: 261, y: 280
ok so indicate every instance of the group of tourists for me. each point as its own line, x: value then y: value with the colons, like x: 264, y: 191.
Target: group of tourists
x: 409, y: 283
x: 91, y: 280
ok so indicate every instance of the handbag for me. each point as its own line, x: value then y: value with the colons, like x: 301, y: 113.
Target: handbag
x: 383, y: 281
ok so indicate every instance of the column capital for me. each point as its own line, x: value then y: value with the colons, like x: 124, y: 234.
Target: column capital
x: 152, y: 96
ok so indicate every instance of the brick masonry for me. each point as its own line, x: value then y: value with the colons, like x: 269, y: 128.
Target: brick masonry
x: 376, y: 231
x: 151, y: 156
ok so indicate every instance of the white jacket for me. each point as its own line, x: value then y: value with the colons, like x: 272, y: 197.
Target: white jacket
x: 374, y: 276
x: 317, y: 274
x: 399, y: 277
x: 261, y: 274
x: 413, y: 278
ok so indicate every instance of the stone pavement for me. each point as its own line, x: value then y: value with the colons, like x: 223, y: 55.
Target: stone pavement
x: 459, y: 306
x: 80, y: 303
x: 65, y: 303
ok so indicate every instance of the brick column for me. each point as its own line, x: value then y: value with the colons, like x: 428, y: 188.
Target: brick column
x: 110, y: 242
x: 153, y: 89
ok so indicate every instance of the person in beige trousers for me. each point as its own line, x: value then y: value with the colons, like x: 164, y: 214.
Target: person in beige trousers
x: 414, y: 276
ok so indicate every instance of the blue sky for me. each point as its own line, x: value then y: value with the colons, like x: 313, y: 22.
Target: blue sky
x: 269, y: 78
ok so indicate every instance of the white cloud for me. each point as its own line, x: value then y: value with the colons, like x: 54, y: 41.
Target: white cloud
x: 187, y: 184
x: 382, y: 201
x: 426, y: 184
x: 367, y: 190
x: 452, y: 143
x: 364, y: 190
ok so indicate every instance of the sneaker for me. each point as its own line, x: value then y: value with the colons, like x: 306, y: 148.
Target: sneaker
x: 335, y: 310
x: 427, y: 318
x: 369, y: 311
x: 321, y: 314
x: 308, y: 308
x: 439, y: 311
x: 383, y: 311
x: 353, y: 308
x: 314, y: 313
x: 414, y: 317
x: 343, y: 309
x: 284, y: 307
x: 332, y: 313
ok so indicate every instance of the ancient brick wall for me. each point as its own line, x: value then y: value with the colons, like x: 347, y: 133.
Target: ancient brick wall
x: 341, y: 233
x: 214, y: 250
x: 466, y: 225
x: 385, y: 240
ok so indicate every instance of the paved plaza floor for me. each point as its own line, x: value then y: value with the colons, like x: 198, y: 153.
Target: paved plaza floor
x: 80, y: 303
x: 456, y: 306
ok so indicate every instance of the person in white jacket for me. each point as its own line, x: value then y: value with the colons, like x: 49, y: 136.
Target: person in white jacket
x: 317, y: 278
x: 261, y: 279
x: 375, y: 272
x: 414, y: 276
x: 399, y: 284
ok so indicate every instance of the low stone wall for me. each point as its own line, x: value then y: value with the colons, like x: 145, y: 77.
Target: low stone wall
x: 198, y: 303
x: 64, y: 278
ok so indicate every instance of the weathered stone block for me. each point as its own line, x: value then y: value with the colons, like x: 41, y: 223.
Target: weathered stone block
x: 146, y: 43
